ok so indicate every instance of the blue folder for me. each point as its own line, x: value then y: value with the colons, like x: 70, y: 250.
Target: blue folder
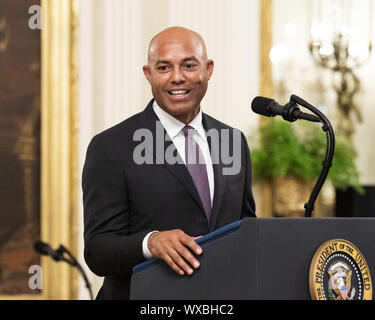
x: 201, y: 241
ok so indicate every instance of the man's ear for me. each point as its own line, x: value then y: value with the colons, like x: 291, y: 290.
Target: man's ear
x: 147, y: 72
x: 210, y: 68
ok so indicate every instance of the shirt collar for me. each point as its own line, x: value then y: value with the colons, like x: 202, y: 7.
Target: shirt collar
x: 174, y: 126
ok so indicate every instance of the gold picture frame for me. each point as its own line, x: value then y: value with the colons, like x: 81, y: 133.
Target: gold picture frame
x: 59, y: 135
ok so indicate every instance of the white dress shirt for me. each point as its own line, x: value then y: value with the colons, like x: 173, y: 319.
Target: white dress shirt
x: 173, y: 128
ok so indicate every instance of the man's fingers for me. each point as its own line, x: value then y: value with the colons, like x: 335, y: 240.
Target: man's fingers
x: 186, y: 254
x: 189, y: 242
x: 180, y: 262
x: 173, y: 265
x: 177, y: 249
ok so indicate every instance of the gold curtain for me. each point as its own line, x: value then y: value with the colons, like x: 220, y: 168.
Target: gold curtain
x: 59, y: 142
x: 265, y: 89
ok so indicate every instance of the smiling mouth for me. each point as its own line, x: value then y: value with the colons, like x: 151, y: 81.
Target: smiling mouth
x: 179, y: 93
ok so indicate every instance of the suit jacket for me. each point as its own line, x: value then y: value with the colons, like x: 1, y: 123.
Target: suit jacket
x: 123, y: 201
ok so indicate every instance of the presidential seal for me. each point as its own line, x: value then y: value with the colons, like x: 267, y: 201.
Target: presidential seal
x: 339, y: 271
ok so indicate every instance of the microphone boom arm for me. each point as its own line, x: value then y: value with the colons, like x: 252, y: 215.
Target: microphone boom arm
x: 73, y: 262
x: 327, y: 162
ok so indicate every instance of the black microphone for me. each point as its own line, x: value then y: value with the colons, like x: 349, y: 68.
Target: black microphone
x: 290, y: 112
x: 58, y: 255
x: 45, y: 249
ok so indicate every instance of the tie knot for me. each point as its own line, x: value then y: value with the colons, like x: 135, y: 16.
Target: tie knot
x: 186, y: 130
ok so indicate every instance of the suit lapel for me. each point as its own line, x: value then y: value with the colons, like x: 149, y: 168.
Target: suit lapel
x: 219, y: 179
x: 179, y: 171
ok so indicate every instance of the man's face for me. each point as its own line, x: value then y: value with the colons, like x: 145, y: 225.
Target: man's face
x: 178, y: 72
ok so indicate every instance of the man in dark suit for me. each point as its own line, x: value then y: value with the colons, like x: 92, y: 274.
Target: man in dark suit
x: 138, y: 202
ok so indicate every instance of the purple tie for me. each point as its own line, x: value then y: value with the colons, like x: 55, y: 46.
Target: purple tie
x: 197, y: 168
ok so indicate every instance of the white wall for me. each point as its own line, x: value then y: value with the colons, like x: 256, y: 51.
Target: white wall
x: 365, y: 135
x: 114, y: 36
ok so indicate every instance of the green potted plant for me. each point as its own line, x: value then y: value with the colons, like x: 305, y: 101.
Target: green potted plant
x: 290, y: 157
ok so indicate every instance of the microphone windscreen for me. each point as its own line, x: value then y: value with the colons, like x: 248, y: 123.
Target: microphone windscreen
x: 259, y: 105
x: 41, y: 247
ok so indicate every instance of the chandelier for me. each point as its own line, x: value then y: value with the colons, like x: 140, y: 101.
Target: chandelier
x: 341, y: 41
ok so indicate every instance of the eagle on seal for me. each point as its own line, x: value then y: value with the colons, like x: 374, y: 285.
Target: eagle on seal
x: 340, y: 282
x: 340, y: 277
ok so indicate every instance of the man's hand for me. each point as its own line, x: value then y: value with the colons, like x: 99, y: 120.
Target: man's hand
x: 173, y: 247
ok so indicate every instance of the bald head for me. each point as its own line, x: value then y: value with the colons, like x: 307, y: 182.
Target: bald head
x: 178, y: 71
x: 176, y: 35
